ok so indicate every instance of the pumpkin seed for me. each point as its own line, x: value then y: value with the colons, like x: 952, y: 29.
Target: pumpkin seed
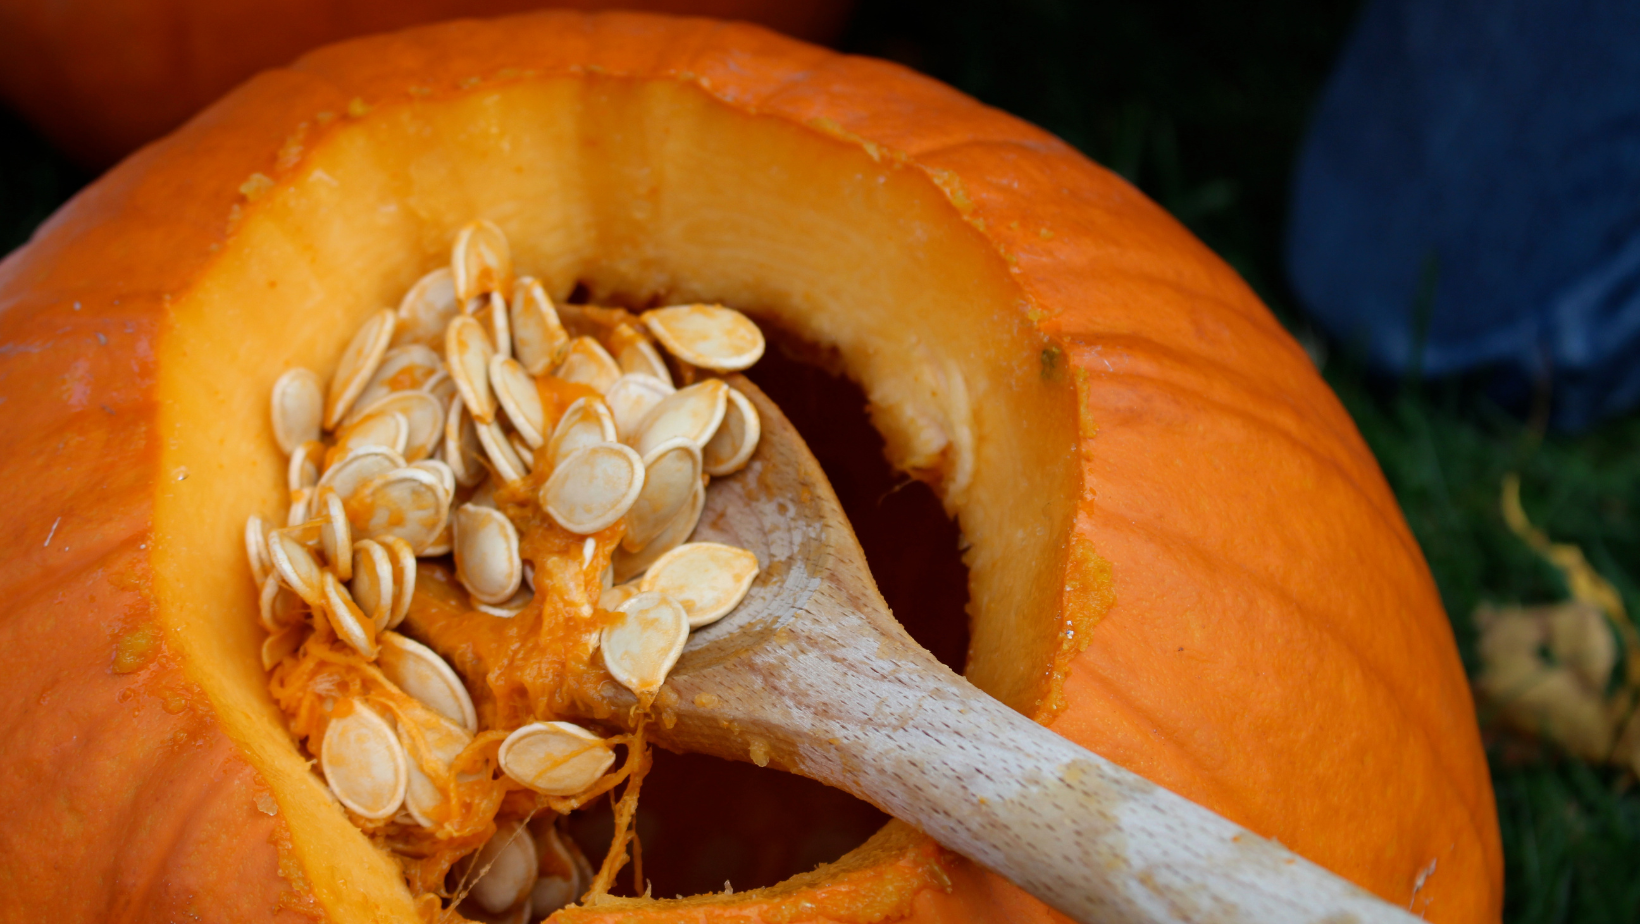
x: 636, y: 355
x: 504, y: 459
x: 629, y: 565
x: 631, y: 399
x: 299, y: 500
x: 303, y: 470
x: 441, y: 473
x: 509, y: 865
x: 354, y: 469
x: 671, y: 471
x: 441, y: 545
x: 446, y: 477
x: 586, y: 422
x: 641, y: 646
x: 512, y: 607
x: 708, y: 336
x: 298, y: 408
x: 426, y: 309
x: 461, y: 446
x: 256, y: 548
x: 358, y: 364
x: 538, y: 335
x: 708, y: 579
x: 364, y: 763
x: 335, y: 534
x: 296, y: 566
x: 555, y: 758
x: 351, y: 624
x: 404, y: 576
x: 445, y: 740
x: 484, y: 495
x: 467, y: 352
x: 490, y: 311
x: 372, y: 584
x: 309, y: 533
x: 486, y: 550
x: 480, y: 260
x: 408, y: 503
x: 423, y: 417
x: 587, y: 362
x: 516, y: 392
x: 732, y: 445
x: 404, y: 368
x: 441, y: 387
x: 556, y: 885
x: 525, y: 454
x: 278, y: 607
x: 389, y: 430
x: 693, y: 413
x: 593, y: 487
x: 279, y: 645
x: 613, y: 597
x: 427, y: 678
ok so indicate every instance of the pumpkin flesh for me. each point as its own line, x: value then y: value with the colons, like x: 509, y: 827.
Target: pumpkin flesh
x: 1101, y: 403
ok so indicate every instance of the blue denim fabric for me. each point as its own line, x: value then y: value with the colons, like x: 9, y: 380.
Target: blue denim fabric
x: 1470, y: 185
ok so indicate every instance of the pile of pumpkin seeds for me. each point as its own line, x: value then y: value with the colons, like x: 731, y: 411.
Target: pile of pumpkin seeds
x: 435, y: 406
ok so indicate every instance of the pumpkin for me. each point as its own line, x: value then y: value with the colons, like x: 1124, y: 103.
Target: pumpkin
x: 1181, y: 553
x: 100, y: 78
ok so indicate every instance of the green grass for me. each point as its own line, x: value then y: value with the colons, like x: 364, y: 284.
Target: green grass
x: 1571, y: 832
x: 1202, y: 104
x: 34, y: 180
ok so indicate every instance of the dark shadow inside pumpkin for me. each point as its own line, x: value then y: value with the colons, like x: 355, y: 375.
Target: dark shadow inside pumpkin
x: 704, y: 821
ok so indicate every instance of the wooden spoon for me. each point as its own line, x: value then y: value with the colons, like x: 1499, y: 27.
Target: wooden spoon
x: 812, y: 674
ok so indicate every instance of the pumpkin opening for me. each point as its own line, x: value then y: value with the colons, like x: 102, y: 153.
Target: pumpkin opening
x: 761, y: 825
x: 914, y: 549
x: 647, y: 189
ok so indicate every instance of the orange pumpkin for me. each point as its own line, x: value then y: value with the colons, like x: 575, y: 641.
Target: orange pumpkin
x: 102, y: 77
x: 1182, y: 555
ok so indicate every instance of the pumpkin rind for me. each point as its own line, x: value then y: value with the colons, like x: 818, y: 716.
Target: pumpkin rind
x: 1240, y: 613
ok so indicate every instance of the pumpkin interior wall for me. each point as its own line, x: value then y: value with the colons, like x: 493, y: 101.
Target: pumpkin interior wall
x: 642, y: 189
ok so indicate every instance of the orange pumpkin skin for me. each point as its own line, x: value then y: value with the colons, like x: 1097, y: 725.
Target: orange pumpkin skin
x: 101, y: 78
x: 1245, y: 617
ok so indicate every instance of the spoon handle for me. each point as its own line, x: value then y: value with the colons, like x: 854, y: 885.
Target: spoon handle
x: 813, y: 675
x: 1084, y: 835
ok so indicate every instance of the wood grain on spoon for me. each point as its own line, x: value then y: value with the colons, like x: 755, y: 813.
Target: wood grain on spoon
x: 812, y: 674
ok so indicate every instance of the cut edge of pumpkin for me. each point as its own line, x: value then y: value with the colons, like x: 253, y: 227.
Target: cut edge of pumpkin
x: 877, y: 881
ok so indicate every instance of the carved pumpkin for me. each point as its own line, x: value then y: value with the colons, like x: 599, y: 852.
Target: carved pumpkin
x: 1182, y: 554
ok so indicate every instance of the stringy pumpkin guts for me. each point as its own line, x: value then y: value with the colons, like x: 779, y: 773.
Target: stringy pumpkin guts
x: 441, y: 604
